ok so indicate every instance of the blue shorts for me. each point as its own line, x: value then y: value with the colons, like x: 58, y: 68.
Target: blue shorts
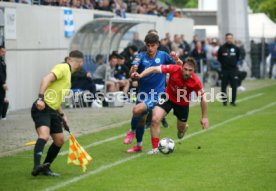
x: 149, y: 103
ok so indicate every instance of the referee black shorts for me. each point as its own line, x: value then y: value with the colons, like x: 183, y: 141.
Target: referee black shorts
x: 181, y: 112
x: 47, y: 117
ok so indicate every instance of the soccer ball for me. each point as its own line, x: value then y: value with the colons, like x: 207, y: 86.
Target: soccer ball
x: 166, y: 145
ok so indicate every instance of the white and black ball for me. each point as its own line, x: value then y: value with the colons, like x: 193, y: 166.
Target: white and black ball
x: 166, y: 145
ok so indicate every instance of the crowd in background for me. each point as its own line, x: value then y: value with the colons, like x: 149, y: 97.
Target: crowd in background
x: 119, y: 7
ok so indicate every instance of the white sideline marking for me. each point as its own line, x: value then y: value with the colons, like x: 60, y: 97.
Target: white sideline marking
x: 105, y: 167
x: 122, y: 135
x: 249, y: 97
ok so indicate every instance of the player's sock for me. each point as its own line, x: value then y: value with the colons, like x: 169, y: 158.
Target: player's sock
x: 38, y: 150
x: 134, y: 122
x: 140, y: 144
x: 140, y: 133
x: 154, y: 142
x: 52, y: 153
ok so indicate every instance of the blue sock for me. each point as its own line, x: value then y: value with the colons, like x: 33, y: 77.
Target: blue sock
x: 134, y: 122
x: 140, y: 133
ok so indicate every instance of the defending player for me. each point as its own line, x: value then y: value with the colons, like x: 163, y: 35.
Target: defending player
x: 182, y: 82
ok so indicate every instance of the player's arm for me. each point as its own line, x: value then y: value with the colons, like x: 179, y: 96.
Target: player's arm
x: 176, y: 58
x: 46, y: 81
x: 204, y: 107
x: 146, y: 72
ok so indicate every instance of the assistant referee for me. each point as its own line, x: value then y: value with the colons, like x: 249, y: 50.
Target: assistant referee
x: 47, y: 113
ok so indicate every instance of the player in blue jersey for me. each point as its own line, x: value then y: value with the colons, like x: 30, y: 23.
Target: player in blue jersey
x: 148, y: 89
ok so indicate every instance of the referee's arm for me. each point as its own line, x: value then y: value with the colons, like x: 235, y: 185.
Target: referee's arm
x: 46, y: 81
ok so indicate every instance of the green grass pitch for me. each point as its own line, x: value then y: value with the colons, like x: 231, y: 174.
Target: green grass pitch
x: 238, y: 153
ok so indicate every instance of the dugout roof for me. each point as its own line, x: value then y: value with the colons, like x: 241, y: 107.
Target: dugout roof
x: 103, y: 35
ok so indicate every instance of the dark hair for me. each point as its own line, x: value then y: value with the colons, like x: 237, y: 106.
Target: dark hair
x: 2, y: 47
x: 76, y: 54
x: 228, y: 34
x: 111, y: 56
x: 151, y: 38
x: 153, y: 31
x: 99, y: 57
x: 66, y: 59
x: 190, y: 61
x: 133, y: 47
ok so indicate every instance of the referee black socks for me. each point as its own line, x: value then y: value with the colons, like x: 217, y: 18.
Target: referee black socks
x: 38, y: 150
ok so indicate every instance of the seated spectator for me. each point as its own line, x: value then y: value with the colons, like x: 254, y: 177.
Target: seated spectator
x: 121, y: 71
x: 83, y: 80
x: 129, y: 55
x: 99, y: 77
x: 107, y: 72
x: 122, y: 74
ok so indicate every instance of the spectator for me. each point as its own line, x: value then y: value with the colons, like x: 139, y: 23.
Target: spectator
x: 272, y: 51
x: 120, y: 83
x: 121, y: 71
x: 199, y: 54
x: 176, y: 42
x: 83, y: 80
x: 99, y: 76
x: 129, y: 54
x: 228, y: 56
x: 184, y: 45
x: 255, y: 55
x: 4, y: 103
x: 194, y: 42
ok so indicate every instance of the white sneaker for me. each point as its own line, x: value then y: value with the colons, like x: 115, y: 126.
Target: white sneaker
x: 96, y: 104
x: 4, y: 119
x: 153, y: 151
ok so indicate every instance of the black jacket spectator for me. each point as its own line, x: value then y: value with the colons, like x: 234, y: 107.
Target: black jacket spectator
x: 81, y: 80
x: 228, y: 56
x: 3, y: 72
x: 129, y: 55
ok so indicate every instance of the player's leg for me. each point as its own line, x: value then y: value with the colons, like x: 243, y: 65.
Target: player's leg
x: 157, y: 115
x: 182, y: 113
x: 137, y: 126
x: 233, y: 83
x: 161, y: 109
x: 224, y: 83
x: 137, y: 111
x: 42, y: 123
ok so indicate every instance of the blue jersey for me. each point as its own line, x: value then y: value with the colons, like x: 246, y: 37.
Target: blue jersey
x: 156, y: 81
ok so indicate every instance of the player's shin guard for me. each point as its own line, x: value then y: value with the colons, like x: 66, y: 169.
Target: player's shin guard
x: 38, y: 150
x: 52, y: 153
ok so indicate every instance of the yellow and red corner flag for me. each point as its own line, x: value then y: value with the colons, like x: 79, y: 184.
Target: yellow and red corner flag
x: 77, y: 154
